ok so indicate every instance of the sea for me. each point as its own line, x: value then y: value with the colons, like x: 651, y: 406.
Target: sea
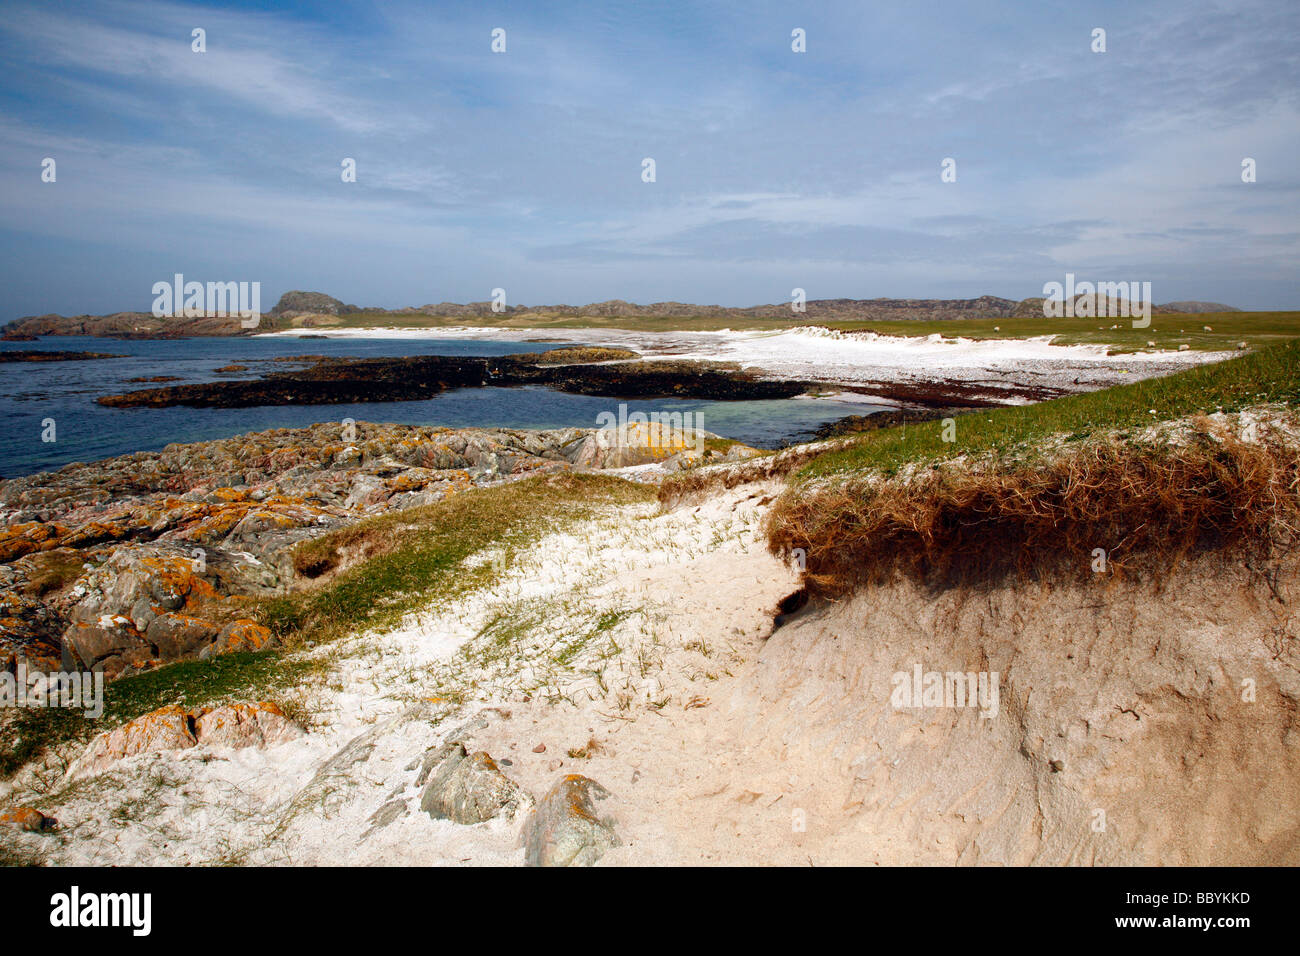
x: 37, y: 395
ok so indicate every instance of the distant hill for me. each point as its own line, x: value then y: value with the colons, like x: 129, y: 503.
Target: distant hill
x: 823, y: 309
x: 1103, y: 306
x: 301, y: 303
x: 1194, y: 306
x: 317, y: 302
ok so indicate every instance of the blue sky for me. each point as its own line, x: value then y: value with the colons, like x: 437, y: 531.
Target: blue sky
x: 522, y: 170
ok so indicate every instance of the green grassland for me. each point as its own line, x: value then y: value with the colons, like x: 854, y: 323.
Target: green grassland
x: 1228, y: 329
x: 543, y: 322
x: 405, y: 559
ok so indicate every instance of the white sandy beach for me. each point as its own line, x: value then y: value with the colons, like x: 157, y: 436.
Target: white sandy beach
x: 853, y: 360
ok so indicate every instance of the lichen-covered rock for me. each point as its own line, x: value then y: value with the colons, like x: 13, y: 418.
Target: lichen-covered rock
x: 29, y: 632
x: 245, y: 725
x: 176, y: 728
x: 127, y: 563
x: 168, y: 728
x: 566, y: 828
x: 467, y: 788
x: 25, y: 537
x: 139, y: 607
x: 178, y: 636
x: 636, y: 443
x: 241, y: 635
x: 111, y: 644
x: 27, y: 818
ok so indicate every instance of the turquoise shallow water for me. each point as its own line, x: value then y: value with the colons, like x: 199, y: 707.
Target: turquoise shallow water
x: 31, y: 393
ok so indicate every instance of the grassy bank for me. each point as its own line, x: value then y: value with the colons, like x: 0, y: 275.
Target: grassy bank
x: 1269, y: 375
x: 994, y: 500
x: 1228, y: 329
x: 239, y: 676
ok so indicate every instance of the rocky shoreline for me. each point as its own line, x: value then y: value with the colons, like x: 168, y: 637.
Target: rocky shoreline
x: 128, y: 563
x: 37, y: 355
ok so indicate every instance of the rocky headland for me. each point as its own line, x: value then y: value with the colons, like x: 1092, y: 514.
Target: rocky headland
x: 122, y: 325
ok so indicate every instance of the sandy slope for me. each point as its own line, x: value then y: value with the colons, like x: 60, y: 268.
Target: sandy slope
x: 688, y: 594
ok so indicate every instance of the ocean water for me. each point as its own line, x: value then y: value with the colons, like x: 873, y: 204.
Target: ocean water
x: 65, y: 392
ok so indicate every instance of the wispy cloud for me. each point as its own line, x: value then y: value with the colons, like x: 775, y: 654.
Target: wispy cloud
x: 477, y: 170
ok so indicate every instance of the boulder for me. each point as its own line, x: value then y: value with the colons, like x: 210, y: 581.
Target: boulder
x: 245, y: 725
x: 467, y: 788
x: 29, y: 631
x: 111, y: 644
x: 637, y: 443
x: 168, y: 728
x: 179, y: 636
x: 365, y: 490
x: 566, y: 828
x: 26, y: 818
x: 176, y: 728
x: 136, y: 609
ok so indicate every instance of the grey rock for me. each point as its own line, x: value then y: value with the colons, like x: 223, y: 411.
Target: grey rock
x: 566, y: 828
x: 467, y: 788
x: 336, y: 782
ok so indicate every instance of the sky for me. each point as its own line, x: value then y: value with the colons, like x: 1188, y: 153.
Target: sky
x: 523, y: 170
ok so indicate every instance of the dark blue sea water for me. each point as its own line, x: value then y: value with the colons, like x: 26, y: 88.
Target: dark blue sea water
x: 30, y: 393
